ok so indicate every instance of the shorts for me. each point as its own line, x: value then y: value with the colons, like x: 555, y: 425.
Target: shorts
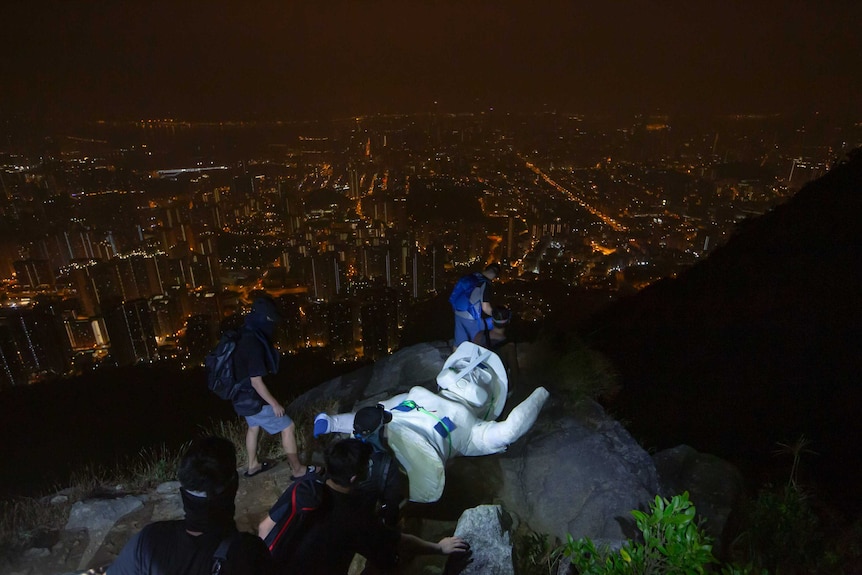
x: 266, y: 419
x: 466, y: 329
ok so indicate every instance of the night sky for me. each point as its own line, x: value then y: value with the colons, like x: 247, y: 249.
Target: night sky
x: 288, y: 60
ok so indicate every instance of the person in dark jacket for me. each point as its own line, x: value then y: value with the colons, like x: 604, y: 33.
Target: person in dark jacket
x: 385, y: 487
x: 207, y: 537
x: 471, y: 303
x: 256, y: 357
x: 343, y: 524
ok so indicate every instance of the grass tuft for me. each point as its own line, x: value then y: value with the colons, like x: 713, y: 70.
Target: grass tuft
x: 22, y: 519
x: 304, y: 425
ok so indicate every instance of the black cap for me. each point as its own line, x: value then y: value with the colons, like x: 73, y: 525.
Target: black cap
x: 369, y: 419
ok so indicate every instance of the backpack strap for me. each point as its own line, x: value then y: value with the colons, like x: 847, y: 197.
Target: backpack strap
x: 221, y: 552
x: 387, y: 461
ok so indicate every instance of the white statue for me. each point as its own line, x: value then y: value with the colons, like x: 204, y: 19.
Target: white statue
x: 427, y: 429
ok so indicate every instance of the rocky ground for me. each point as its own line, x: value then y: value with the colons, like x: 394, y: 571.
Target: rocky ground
x: 576, y: 472
x: 98, y: 528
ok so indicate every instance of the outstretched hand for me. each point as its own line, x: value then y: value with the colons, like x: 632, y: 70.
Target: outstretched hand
x: 449, y: 545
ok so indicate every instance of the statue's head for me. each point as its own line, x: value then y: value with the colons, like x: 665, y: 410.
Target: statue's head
x: 470, y: 387
x: 475, y: 377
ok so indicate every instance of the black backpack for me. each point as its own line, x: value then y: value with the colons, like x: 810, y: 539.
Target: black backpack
x: 221, y: 373
x: 301, y: 502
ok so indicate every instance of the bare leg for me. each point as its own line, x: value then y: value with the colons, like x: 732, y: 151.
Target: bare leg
x: 251, y: 448
x: 288, y: 442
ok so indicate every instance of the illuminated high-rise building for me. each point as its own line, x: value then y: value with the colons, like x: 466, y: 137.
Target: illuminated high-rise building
x: 129, y: 280
x: 167, y: 315
x: 316, y: 323
x: 206, y: 302
x: 33, y: 344
x: 353, y: 183
x: 201, y: 336
x: 85, y: 334
x: 34, y: 274
x: 343, y: 329
x: 204, y: 271
x: 427, y: 269
x: 88, y: 301
x: 131, y: 334
x: 379, y: 261
x: 293, y: 318
x: 108, y: 284
x: 291, y: 206
x: 379, y: 321
x: 324, y: 276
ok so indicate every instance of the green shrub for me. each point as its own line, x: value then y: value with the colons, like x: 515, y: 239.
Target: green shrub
x: 783, y: 533
x: 533, y: 553
x: 672, y: 544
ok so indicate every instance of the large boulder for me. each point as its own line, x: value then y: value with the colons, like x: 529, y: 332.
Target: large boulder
x: 98, y: 517
x: 398, y: 373
x: 570, y: 478
x: 577, y: 471
x: 488, y: 533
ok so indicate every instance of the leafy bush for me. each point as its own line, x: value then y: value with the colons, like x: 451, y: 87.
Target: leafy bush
x: 533, y: 553
x: 672, y: 544
x: 783, y: 533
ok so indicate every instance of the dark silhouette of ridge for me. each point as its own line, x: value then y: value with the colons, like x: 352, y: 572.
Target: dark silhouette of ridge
x: 757, y: 344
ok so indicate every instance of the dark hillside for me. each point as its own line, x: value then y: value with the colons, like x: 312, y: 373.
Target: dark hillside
x: 757, y: 344
x: 49, y: 430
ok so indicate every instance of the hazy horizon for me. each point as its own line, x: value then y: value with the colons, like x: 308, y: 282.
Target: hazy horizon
x: 219, y: 60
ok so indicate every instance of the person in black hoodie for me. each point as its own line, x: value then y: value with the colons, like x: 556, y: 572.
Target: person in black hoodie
x: 256, y: 357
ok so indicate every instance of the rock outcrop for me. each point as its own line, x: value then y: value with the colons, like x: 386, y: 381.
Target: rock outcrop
x: 577, y: 471
x: 490, y: 542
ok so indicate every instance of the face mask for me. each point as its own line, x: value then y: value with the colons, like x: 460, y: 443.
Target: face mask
x: 373, y: 438
x: 212, y: 513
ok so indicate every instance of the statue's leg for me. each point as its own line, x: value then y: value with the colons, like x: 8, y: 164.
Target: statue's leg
x: 340, y: 423
x: 343, y: 422
x: 494, y: 436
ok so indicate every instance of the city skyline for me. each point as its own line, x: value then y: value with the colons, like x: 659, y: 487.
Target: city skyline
x: 221, y: 60
x: 134, y: 241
